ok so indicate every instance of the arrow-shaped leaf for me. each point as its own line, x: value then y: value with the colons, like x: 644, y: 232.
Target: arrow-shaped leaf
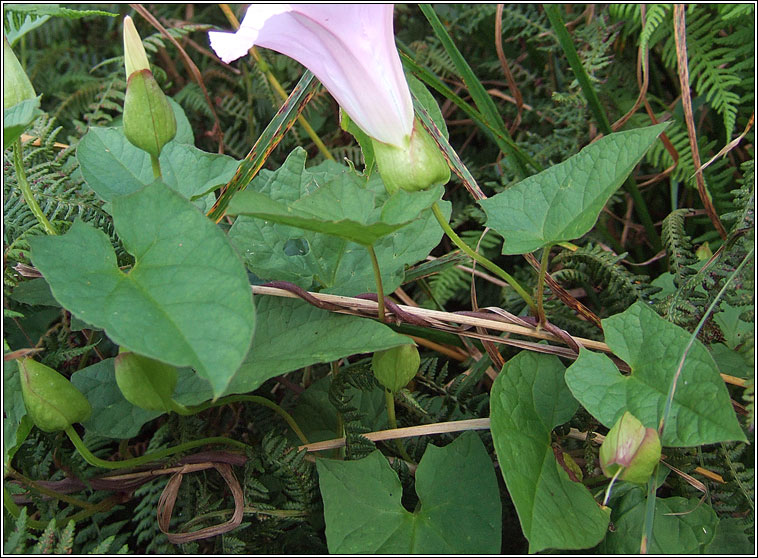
x: 563, y: 202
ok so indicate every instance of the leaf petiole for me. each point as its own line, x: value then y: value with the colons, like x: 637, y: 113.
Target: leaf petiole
x: 481, y: 259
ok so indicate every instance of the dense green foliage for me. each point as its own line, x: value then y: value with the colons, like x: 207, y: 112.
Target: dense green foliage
x: 634, y: 258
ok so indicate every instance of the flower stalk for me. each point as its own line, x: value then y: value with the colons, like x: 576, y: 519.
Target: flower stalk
x: 95, y: 461
x: 494, y: 268
x: 26, y: 191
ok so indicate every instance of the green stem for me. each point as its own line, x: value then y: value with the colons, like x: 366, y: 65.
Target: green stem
x: 556, y: 20
x: 246, y: 399
x: 647, y: 530
x: 26, y: 191
x: 541, y: 283
x: 149, y: 458
x: 481, y: 259
x: 379, y: 287
x: 12, y: 508
x: 156, y: 167
x: 389, y: 398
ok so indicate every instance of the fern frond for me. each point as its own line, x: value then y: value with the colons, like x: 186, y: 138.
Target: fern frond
x: 678, y: 246
x: 654, y: 17
x: 298, y: 476
x: 16, y: 541
x: 710, y: 63
x: 620, y: 286
x: 359, y: 376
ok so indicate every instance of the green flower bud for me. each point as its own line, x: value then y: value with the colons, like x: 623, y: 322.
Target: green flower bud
x: 149, y: 121
x: 395, y: 367
x: 418, y: 167
x: 52, y: 402
x: 135, y: 57
x: 631, y: 446
x: 16, y: 84
x: 144, y: 382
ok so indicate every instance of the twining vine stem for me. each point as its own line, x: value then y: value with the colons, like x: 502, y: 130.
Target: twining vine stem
x: 95, y: 461
x: 182, y: 410
x: 379, y: 287
x: 26, y: 191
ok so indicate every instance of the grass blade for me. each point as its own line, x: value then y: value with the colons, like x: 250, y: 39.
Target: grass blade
x: 483, y: 101
x: 267, y: 142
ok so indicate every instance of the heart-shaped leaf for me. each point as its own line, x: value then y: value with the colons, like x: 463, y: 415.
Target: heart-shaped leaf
x: 186, y: 301
x: 315, y: 260
x: 701, y: 412
x: 297, y: 334
x: 114, y: 167
x: 680, y: 526
x: 112, y: 415
x: 459, y: 514
x: 342, y: 207
x: 528, y: 399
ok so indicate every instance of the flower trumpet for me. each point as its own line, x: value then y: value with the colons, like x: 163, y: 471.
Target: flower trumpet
x: 351, y: 49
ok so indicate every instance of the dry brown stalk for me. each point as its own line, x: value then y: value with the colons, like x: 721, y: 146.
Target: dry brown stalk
x: 680, y: 38
x: 444, y: 320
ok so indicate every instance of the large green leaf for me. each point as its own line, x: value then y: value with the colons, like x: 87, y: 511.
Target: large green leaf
x: 294, y: 334
x: 112, y: 415
x: 315, y: 260
x: 528, y: 399
x: 34, y: 292
x: 731, y: 538
x: 680, y: 526
x: 186, y: 301
x: 456, y: 485
x: 114, y: 167
x: 701, y: 412
x: 17, y: 118
x: 563, y: 202
x: 342, y: 207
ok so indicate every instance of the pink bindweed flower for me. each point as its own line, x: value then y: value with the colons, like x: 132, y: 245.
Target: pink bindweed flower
x: 350, y: 48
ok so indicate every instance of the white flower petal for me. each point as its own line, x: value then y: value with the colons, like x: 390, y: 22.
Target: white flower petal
x: 231, y: 46
x: 351, y: 50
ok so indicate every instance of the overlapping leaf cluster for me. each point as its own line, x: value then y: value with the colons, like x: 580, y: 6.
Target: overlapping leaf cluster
x: 139, y: 266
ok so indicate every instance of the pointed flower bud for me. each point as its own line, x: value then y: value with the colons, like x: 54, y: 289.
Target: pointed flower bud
x: 395, y: 367
x: 135, y: 57
x: 52, y: 402
x: 149, y: 121
x: 16, y: 84
x: 631, y: 446
x: 144, y: 382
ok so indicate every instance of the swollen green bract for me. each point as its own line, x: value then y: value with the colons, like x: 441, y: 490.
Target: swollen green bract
x: 50, y: 399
